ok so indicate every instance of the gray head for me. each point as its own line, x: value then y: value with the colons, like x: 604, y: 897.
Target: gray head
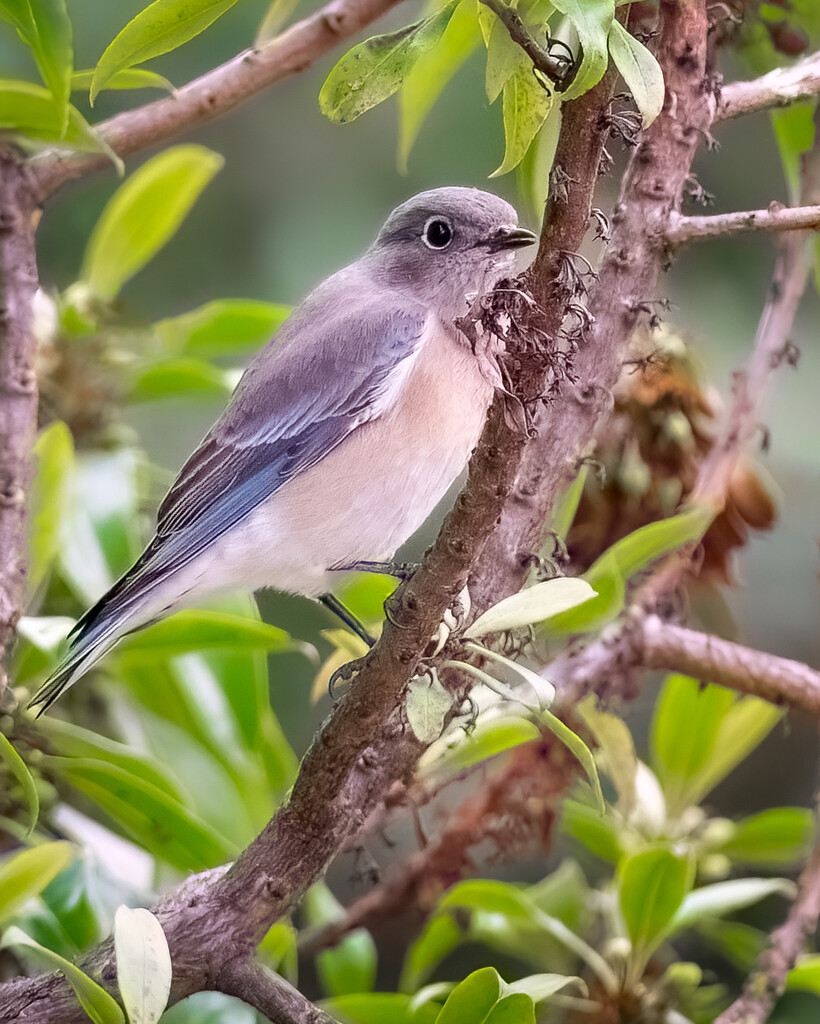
x: 446, y: 244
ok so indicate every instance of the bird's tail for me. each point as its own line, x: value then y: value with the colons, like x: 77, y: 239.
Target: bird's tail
x: 86, y: 650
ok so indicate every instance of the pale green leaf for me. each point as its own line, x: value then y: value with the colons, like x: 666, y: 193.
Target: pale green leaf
x: 439, y: 937
x: 161, y: 27
x: 223, y: 327
x: 473, y: 998
x: 794, y: 130
x: 377, y: 1008
x: 426, y: 706
x: 277, y: 15
x: 805, y: 975
x: 19, y: 769
x: 431, y: 73
x: 533, y: 604
x: 652, y: 885
x: 45, y: 27
x: 526, y: 106
x: 25, y: 874
x: 578, y: 748
x: 515, y: 1008
x: 97, y: 1003
x: 143, y: 964
x: 777, y: 837
x: 616, y: 750
x: 727, y: 898
x: 199, y: 629
x: 563, y: 512
x: 143, y: 214
x: 540, y: 987
x: 591, y: 828
x: 54, y: 468
x: 592, y: 20
x: 640, y: 70
x: 504, y: 58
x: 132, y: 78
x: 489, y: 738
x: 179, y: 378
x: 376, y: 68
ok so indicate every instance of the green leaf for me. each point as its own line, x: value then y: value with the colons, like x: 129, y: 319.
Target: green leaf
x: 596, y: 831
x: 277, y: 14
x: 608, y: 575
x: 504, y: 59
x: 639, y: 70
x: 19, y: 769
x: 149, y: 816
x: 652, y: 885
x: 563, y: 512
x: 426, y: 706
x: 740, y: 944
x: 794, y: 132
x: 161, y: 27
x: 439, y: 937
x: 515, y: 1008
x: 25, y: 874
x: 143, y: 964
x: 431, y: 72
x: 540, y: 987
x: 351, y: 965
x: 473, y: 998
x: 727, y: 898
x: 685, y: 727
x: 490, y: 737
x: 50, y: 489
x: 44, y: 26
x: 777, y: 837
x: 377, y: 1008
x: 805, y: 976
x: 592, y: 20
x: 526, y: 106
x: 97, y: 1003
x: 198, y: 630
x: 616, y: 751
x: 143, y: 214
x: 533, y: 604
x: 133, y: 78
x: 374, y: 70
x: 224, y: 327
x: 578, y: 748
x: 179, y: 378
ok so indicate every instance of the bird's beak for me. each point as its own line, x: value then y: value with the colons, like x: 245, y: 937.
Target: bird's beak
x: 510, y: 237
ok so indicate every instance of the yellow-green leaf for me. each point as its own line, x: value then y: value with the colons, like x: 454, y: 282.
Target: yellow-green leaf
x: 19, y: 770
x: 143, y: 964
x: 131, y: 78
x: 45, y: 27
x: 526, y: 105
x: 640, y: 71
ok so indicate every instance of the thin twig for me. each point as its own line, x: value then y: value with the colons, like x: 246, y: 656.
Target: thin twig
x: 555, y: 69
x: 767, y: 981
x: 778, y: 88
x: 216, y: 92
x: 776, y: 218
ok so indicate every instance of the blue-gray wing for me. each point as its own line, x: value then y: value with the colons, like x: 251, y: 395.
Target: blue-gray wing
x: 327, y: 371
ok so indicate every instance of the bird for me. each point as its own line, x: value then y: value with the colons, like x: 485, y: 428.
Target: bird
x: 343, y: 434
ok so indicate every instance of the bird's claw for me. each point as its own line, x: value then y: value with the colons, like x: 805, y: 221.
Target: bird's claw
x: 453, y: 620
x: 344, y: 674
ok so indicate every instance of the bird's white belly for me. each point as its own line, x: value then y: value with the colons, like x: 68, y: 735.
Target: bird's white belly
x: 368, y: 495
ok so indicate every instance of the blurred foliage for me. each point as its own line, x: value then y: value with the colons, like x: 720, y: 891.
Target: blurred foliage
x: 170, y: 757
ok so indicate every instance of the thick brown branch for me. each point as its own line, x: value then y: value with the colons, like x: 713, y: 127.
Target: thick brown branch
x: 779, y: 680
x: 778, y: 88
x: 18, y: 386
x: 263, y: 989
x: 216, y: 92
x: 776, y: 218
x: 766, y: 983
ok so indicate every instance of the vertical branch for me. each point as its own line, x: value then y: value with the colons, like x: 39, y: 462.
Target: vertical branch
x: 18, y: 385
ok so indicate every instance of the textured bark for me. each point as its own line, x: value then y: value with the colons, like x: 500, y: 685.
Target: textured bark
x: 18, y: 385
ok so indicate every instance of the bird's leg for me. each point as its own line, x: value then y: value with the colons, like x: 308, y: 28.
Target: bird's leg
x: 401, y: 570
x: 348, y: 618
x: 454, y: 618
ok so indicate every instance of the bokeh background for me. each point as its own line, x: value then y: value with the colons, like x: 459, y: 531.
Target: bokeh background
x: 299, y: 197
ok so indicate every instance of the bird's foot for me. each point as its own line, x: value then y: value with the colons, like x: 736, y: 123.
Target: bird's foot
x: 343, y: 675
x: 454, y: 619
x: 401, y: 570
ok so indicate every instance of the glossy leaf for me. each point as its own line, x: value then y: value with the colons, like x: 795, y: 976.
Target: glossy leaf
x: 592, y: 20
x: 540, y: 987
x: 473, y: 998
x: 377, y: 1008
x: 640, y: 70
x: 25, y: 874
x: 376, y: 68
x: 727, y: 898
x: 224, y: 327
x: 133, y: 78
x: 199, y: 630
x: 45, y: 27
x: 774, y: 838
x: 97, y: 1003
x: 515, y: 1008
x: 532, y: 604
x: 431, y: 72
x: 162, y: 26
x: 526, y: 106
x: 651, y: 887
x: 19, y: 769
x: 426, y: 705
x: 143, y: 214
x: 490, y: 737
x: 143, y: 964
x: 54, y: 467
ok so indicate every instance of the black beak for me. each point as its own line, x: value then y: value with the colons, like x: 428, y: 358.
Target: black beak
x: 509, y: 237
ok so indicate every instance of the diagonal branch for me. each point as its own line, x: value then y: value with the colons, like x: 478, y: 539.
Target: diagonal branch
x: 262, y: 988
x: 555, y: 69
x: 778, y: 88
x: 776, y: 218
x: 216, y: 92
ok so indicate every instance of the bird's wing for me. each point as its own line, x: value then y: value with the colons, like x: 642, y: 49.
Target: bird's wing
x: 332, y: 367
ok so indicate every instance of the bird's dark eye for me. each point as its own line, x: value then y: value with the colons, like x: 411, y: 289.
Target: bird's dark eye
x: 437, y: 233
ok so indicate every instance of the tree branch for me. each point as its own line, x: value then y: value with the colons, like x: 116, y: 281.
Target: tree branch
x: 214, y: 93
x: 776, y: 218
x: 555, y: 69
x: 766, y: 983
x: 779, y: 88
x: 18, y: 386
x: 268, y: 993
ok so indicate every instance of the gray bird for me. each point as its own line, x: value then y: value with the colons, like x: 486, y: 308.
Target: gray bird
x: 343, y: 434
